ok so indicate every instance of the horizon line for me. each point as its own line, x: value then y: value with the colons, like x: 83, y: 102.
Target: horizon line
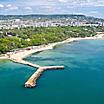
x: 49, y: 14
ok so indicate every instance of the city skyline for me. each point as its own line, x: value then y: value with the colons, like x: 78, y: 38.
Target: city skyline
x: 22, y: 7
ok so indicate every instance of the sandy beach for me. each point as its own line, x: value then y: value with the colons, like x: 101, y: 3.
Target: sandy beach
x: 20, y: 54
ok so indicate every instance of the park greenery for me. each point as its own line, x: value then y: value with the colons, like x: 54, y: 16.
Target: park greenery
x: 11, y: 39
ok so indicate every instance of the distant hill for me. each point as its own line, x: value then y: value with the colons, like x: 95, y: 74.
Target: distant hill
x: 75, y: 17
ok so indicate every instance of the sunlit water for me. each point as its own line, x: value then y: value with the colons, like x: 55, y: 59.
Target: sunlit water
x: 81, y: 82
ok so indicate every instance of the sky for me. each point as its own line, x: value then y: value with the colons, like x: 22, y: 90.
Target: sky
x: 20, y: 7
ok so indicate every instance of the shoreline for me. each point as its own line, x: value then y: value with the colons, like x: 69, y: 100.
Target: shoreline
x: 25, y: 52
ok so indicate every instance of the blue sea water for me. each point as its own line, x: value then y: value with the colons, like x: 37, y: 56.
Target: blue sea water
x: 81, y: 82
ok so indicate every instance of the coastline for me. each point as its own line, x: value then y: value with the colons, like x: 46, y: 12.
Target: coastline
x: 20, y: 54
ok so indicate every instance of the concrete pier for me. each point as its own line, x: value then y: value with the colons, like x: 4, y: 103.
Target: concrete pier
x: 25, y: 63
x: 31, y: 82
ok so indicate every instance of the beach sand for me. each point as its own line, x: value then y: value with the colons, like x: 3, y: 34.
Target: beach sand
x: 23, y: 53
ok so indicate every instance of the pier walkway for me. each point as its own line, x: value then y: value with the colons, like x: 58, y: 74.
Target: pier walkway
x: 31, y: 82
x: 26, y: 63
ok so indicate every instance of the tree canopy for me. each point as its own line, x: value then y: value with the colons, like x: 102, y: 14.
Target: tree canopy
x: 30, y: 36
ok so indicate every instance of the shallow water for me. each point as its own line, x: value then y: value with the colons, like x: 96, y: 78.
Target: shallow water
x: 81, y: 82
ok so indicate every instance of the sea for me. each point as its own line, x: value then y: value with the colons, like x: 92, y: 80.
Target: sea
x: 81, y: 82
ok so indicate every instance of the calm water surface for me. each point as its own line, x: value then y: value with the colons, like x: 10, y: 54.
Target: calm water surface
x: 81, y: 82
